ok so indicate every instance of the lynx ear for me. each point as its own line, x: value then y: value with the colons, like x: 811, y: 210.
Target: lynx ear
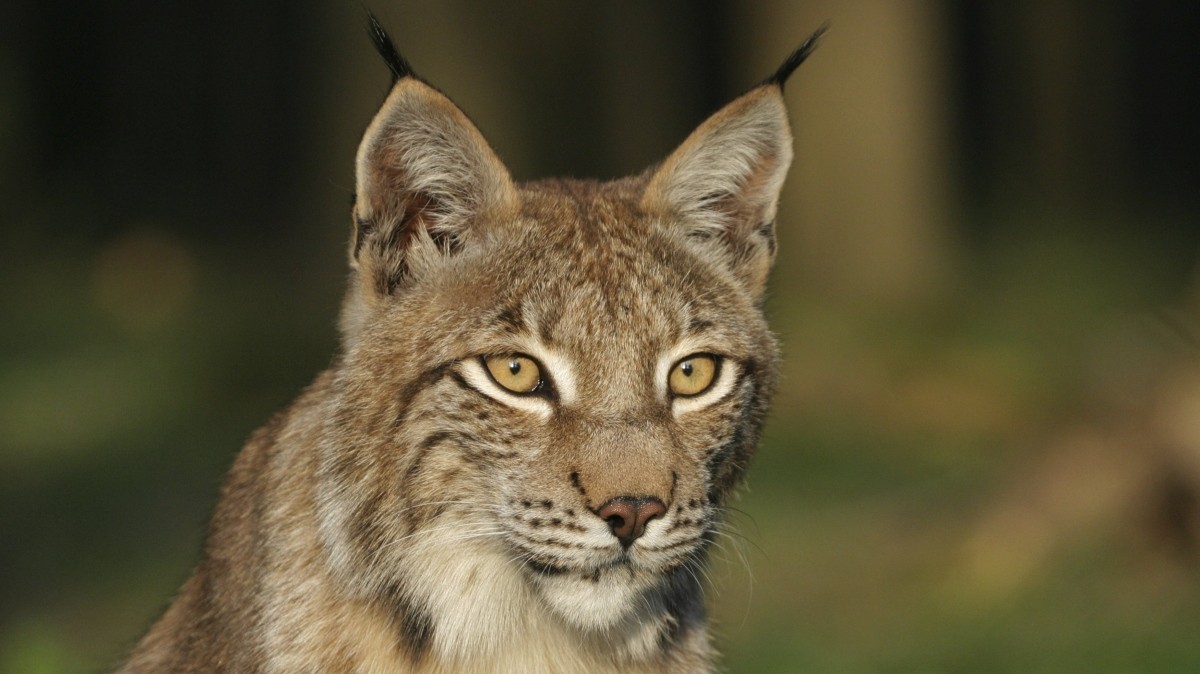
x: 722, y: 184
x: 425, y: 176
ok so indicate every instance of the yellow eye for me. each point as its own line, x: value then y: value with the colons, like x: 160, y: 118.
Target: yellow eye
x: 515, y: 372
x: 693, y: 375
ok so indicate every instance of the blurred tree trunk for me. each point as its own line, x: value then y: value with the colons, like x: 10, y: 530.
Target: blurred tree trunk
x: 867, y: 214
x: 1053, y: 73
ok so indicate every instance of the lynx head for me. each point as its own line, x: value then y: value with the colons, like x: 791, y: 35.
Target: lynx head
x: 547, y: 390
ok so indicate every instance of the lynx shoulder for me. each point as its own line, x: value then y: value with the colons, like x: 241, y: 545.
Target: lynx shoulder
x: 544, y: 396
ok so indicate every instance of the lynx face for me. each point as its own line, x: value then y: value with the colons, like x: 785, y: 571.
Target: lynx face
x: 577, y: 388
x: 547, y: 389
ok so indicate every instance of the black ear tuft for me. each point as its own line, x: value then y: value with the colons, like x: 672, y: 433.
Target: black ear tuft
x: 383, y: 44
x: 802, y: 52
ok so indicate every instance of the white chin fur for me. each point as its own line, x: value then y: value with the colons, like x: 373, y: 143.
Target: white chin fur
x: 594, y: 605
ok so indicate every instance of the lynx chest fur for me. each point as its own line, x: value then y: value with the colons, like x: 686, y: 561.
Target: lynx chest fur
x: 544, y: 396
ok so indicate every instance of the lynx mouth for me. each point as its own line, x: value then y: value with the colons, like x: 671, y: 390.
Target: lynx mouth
x: 538, y: 564
x: 541, y: 565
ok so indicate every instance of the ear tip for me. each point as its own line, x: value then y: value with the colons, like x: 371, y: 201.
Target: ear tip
x: 396, y: 63
x: 797, y: 57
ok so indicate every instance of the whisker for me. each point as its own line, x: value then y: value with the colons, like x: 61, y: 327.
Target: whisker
x: 738, y: 548
x: 731, y: 530
x: 429, y: 530
x: 730, y: 510
x: 483, y: 505
x: 738, y: 543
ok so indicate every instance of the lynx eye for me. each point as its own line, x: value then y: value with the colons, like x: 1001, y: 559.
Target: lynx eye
x: 693, y: 375
x: 515, y: 372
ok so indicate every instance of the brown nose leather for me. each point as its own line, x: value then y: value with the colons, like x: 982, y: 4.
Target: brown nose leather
x: 627, y: 516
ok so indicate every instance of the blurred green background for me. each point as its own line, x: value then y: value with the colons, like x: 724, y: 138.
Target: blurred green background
x: 985, y: 456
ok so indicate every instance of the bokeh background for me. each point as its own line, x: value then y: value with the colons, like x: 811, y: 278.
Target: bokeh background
x: 985, y: 456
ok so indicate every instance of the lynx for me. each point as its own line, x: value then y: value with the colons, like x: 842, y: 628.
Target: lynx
x: 544, y: 396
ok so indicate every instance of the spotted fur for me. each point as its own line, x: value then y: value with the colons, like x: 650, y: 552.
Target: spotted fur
x: 407, y: 513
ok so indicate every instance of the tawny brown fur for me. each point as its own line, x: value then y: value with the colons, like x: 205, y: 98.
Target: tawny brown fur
x: 407, y: 514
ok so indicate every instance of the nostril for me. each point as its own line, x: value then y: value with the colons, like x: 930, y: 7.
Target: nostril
x: 627, y: 516
x: 651, y: 509
x: 615, y: 522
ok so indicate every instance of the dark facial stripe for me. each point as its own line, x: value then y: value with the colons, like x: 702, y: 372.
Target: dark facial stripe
x: 729, y: 461
x: 511, y: 319
x: 548, y: 321
x: 366, y: 531
x: 574, y: 477
x: 543, y: 569
x: 413, y: 622
x: 423, y: 381
x: 414, y: 469
x: 681, y: 597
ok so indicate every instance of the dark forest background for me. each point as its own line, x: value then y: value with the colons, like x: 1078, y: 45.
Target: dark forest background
x: 985, y: 455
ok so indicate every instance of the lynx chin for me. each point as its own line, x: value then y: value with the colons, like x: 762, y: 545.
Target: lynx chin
x: 544, y: 395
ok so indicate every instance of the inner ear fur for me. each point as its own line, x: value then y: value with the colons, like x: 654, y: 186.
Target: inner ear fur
x: 425, y: 177
x: 722, y: 184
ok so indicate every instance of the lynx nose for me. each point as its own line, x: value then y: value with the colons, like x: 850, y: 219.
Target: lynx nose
x: 627, y: 516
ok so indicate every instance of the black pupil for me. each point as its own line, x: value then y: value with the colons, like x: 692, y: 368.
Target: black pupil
x: 686, y: 368
x: 514, y: 366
